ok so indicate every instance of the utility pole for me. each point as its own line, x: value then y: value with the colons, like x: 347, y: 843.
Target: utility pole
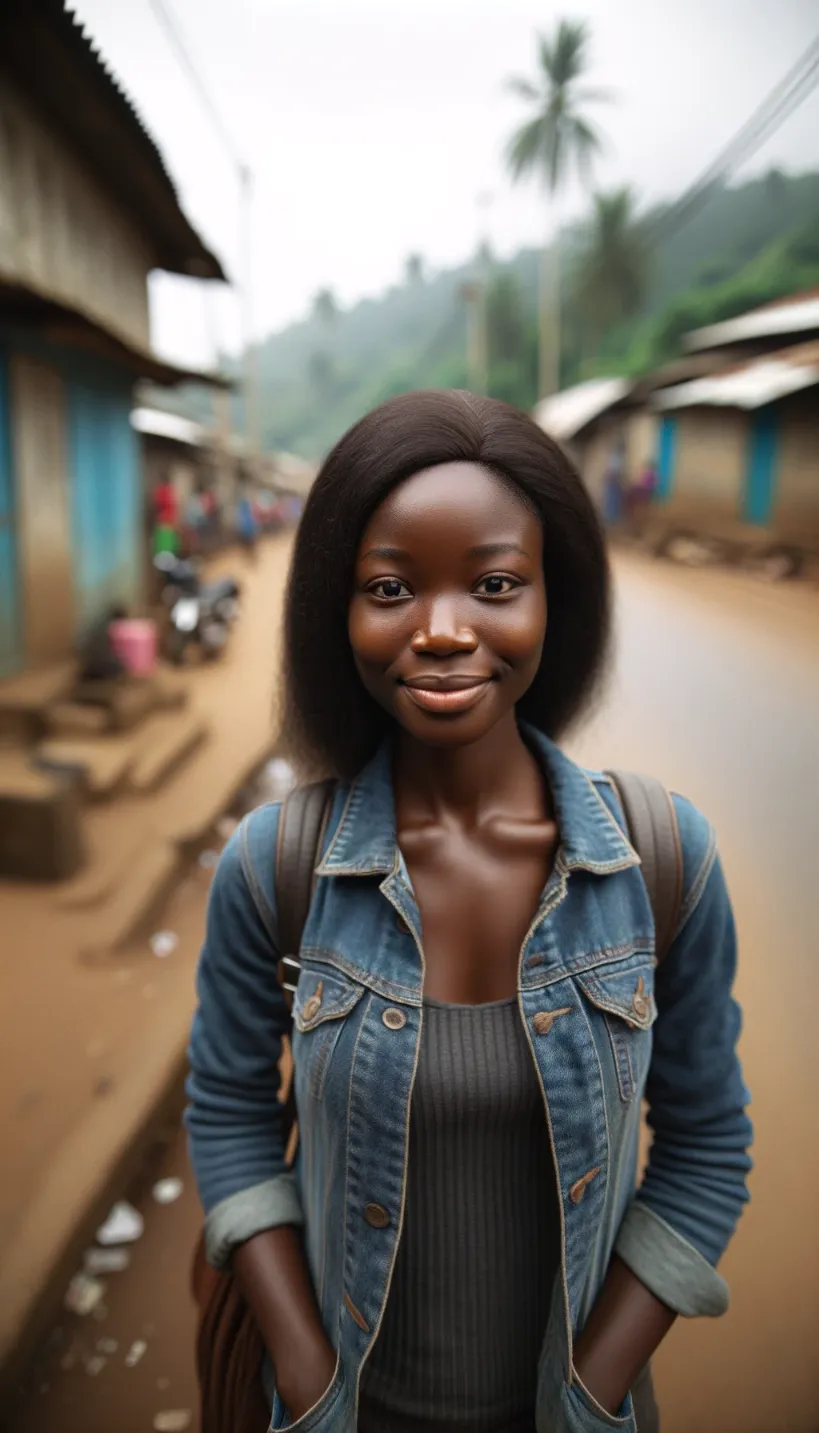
x: 250, y: 382
x: 470, y: 296
x: 484, y: 203
x: 167, y: 19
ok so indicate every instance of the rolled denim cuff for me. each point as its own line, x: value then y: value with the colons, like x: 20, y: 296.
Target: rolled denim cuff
x: 236, y: 1219
x: 674, y: 1271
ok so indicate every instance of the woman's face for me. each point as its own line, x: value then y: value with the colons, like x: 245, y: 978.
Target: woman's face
x: 448, y: 612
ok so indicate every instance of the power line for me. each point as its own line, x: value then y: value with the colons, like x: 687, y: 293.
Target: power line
x: 784, y: 98
x: 171, y: 27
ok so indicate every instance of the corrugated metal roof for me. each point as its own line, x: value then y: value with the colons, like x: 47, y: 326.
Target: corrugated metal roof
x: 749, y: 385
x: 46, y: 50
x: 796, y: 314
x: 567, y: 413
x: 156, y: 423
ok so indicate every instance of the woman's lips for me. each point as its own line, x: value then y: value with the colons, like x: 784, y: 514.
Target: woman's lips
x: 446, y: 696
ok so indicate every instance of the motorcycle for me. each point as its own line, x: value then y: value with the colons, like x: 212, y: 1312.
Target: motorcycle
x: 199, y: 613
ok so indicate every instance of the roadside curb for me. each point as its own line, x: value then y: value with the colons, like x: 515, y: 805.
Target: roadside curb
x: 100, y: 1156
x: 87, y: 1172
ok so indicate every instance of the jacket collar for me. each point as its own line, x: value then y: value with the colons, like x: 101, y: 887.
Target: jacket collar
x: 364, y: 842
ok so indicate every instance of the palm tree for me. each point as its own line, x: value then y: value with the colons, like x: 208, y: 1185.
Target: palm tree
x: 414, y: 269
x: 556, y: 140
x: 325, y: 308
x: 612, y: 272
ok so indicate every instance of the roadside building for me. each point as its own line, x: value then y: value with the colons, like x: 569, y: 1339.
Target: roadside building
x: 591, y: 419
x: 739, y: 450
x: 87, y: 210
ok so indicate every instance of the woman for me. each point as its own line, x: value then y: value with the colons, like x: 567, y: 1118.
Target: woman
x: 461, y: 1244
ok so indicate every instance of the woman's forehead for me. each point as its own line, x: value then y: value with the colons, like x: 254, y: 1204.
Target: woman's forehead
x: 463, y: 496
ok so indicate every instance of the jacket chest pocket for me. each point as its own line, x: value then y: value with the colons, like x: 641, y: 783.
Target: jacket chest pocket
x: 625, y: 1000
x: 321, y: 1007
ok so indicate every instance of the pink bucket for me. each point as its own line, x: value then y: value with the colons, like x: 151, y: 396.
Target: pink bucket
x: 134, y: 640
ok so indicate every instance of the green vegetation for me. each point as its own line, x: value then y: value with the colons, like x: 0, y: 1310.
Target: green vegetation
x: 745, y: 246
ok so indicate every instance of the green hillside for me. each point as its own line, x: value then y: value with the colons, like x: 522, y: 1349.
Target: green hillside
x: 745, y: 245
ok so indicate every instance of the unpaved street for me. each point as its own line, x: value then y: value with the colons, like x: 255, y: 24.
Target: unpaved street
x: 717, y: 692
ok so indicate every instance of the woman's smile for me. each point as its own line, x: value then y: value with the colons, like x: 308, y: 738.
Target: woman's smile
x: 445, y: 695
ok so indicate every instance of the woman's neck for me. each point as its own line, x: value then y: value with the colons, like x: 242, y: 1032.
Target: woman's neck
x: 498, y: 773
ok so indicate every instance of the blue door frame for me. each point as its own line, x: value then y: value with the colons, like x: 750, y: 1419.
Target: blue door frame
x: 761, y: 464
x: 666, y: 456
x: 11, y: 649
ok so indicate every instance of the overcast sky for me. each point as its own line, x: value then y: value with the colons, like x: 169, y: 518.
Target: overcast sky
x: 372, y: 127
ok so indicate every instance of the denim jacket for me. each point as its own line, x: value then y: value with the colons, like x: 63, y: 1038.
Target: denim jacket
x: 606, y: 1026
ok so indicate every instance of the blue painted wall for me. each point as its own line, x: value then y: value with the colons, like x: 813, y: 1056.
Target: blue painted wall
x: 10, y: 637
x: 106, y: 494
x: 666, y: 455
x: 761, y: 465
x: 105, y: 487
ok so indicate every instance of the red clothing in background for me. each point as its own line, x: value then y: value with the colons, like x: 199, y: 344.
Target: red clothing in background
x: 165, y: 505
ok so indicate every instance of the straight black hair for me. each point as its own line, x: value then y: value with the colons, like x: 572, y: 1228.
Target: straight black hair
x: 331, y: 724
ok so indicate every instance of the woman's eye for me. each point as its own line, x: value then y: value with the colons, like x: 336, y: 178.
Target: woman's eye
x: 389, y: 589
x: 496, y: 585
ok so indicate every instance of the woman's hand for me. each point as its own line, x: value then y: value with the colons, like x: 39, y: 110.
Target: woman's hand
x: 304, y: 1376
x: 624, y: 1328
x: 272, y: 1273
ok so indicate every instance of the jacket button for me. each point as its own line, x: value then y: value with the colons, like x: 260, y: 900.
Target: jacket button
x: 639, y: 1003
x: 579, y: 1189
x: 545, y: 1019
x: 312, y: 1005
x: 376, y: 1216
x: 394, y: 1019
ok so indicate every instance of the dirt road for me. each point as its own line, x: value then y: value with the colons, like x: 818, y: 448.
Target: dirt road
x: 717, y: 692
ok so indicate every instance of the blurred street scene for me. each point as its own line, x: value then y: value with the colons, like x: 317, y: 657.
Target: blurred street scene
x: 651, y: 295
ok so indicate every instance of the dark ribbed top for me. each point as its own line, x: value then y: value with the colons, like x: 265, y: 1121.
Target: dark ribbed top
x: 462, y: 1332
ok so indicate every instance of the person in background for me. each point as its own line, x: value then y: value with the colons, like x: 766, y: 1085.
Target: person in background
x: 194, y: 523
x: 165, y: 518
x: 208, y: 500
x: 247, y: 527
x: 642, y: 495
x: 614, y: 478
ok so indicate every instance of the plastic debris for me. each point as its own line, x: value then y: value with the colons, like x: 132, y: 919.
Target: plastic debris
x: 83, y: 1295
x: 208, y: 860
x: 108, y: 1346
x: 123, y: 1226
x: 173, y: 1420
x: 167, y: 1191
x: 164, y: 943
x: 137, y: 1351
x: 95, y: 1365
x: 106, y: 1261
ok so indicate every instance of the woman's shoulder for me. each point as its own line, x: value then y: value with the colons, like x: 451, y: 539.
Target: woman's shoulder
x: 247, y: 863
x: 697, y: 836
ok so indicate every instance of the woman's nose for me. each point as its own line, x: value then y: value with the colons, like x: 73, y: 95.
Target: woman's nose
x: 442, y: 633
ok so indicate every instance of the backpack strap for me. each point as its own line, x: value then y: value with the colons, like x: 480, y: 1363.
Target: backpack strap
x: 302, y: 824
x: 652, y: 827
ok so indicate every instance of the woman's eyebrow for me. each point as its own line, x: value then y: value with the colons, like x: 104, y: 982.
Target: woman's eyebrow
x: 396, y: 553
x: 496, y: 549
